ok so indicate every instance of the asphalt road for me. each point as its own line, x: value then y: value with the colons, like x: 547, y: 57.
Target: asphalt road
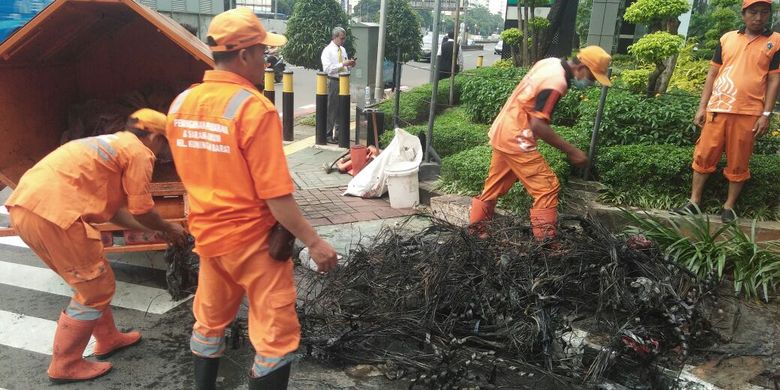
x: 412, y: 75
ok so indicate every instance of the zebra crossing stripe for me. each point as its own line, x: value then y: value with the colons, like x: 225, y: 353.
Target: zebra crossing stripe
x: 30, y: 333
x: 128, y: 295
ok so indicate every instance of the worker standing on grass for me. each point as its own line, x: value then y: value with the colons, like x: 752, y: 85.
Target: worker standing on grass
x: 226, y: 140
x: 736, y: 104
x: 90, y: 180
x: 524, y: 118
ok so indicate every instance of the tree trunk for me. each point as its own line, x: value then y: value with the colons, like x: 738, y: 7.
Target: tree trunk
x: 666, y: 75
x: 524, y: 42
x: 652, y: 82
x: 534, y: 35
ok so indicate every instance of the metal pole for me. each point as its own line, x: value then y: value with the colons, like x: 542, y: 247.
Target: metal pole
x: 397, y: 85
x: 596, y: 125
x: 322, y: 109
x: 343, y: 114
x: 434, y: 79
x: 454, y: 53
x: 288, y: 106
x: 268, y: 85
x: 379, y: 87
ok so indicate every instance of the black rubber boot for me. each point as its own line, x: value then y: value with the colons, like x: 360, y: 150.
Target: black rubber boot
x: 276, y: 380
x: 206, y: 373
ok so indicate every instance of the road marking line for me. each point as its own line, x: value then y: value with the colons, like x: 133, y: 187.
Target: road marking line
x: 299, y: 145
x: 306, y: 107
x: 128, y: 295
x: 30, y: 333
x: 13, y: 241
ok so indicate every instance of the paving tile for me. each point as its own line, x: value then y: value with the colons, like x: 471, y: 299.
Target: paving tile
x: 342, y: 218
x: 365, y: 216
x: 387, y: 213
x: 319, y: 222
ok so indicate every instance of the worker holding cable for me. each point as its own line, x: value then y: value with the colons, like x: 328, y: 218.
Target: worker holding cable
x: 524, y: 118
x: 226, y: 141
x: 90, y: 180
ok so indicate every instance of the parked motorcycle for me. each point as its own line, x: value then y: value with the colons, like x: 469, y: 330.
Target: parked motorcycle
x: 276, y: 62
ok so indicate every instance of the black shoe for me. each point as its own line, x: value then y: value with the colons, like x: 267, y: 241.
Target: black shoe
x: 331, y: 140
x: 689, y: 208
x: 276, y: 380
x: 205, y: 373
x: 728, y: 216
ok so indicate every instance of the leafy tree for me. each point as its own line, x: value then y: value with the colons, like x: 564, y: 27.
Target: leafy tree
x: 583, y: 20
x: 512, y: 38
x: 402, y: 30
x: 654, y: 49
x: 367, y: 10
x: 285, y: 6
x: 426, y: 17
x: 657, y: 15
x: 485, y: 22
x: 309, y: 31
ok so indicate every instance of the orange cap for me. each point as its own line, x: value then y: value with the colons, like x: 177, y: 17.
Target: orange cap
x: 237, y: 29
x: 597, y: 60
x: 149, y: 120
x: 748, y: 3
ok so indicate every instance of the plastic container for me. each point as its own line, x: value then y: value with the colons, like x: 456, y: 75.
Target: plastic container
x: 358, y: 155
x: 403, y: 184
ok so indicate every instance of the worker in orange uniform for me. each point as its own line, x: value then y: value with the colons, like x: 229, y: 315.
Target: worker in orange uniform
x: 524, y: 118
x: 97, y: 179
x: 736, y: 104
x: 226, y: 141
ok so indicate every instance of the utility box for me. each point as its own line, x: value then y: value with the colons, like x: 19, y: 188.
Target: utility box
x: 364, y: 74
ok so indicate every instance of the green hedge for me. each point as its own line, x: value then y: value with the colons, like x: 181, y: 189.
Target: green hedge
x: 485, y: 92
x: 452, y: 133
x: 659, y: 176
x: 465, y: 172
x: 414, y: 106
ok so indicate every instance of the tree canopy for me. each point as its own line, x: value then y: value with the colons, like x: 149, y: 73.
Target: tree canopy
x: 309, y: 31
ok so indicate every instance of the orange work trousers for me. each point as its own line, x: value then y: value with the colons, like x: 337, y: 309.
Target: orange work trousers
x: 273, y: 323
x: 732, y: 132
x: 539, y: 180
x: 76, y: 254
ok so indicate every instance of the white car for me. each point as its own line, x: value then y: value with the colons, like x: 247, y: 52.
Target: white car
x: 499, y: 48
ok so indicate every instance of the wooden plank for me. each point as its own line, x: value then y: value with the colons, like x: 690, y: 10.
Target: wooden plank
x: 110, y: 227
x: 135, y: 248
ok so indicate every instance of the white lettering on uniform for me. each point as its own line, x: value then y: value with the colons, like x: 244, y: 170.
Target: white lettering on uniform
x: 200, y: 125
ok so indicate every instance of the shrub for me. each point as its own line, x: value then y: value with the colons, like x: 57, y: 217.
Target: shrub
x: 631, y: 118
x: 452, y: 133
x: 414, y: 106
x: 567, y: 111
x: 636, y: 80
x: 465, y: 172
x: 487, y: 89
x: 659, y: 176
x: 689, y: 73
x: 504, y: 64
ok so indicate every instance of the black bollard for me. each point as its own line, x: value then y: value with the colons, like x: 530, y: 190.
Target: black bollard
x: 322, y: 108
x: 288, y: 109
x: 343, y: 114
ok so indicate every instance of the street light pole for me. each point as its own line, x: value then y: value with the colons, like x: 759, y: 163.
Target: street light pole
x: 434, y: 78
x: 379, y: 87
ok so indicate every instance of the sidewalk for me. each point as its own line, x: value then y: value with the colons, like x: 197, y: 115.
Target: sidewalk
x: 320, y: 194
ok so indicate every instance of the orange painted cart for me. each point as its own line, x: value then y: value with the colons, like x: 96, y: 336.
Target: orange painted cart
x: 77, y: 50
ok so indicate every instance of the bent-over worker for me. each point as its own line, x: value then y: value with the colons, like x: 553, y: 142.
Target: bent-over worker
x: 90, y: 180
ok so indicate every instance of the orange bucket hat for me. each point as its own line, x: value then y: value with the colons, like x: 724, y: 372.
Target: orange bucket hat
x: 597, y: 60
x: 149, y: 120
x: 240, y: 28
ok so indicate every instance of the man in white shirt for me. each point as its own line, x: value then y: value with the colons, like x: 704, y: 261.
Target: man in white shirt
x: 334, y: 61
